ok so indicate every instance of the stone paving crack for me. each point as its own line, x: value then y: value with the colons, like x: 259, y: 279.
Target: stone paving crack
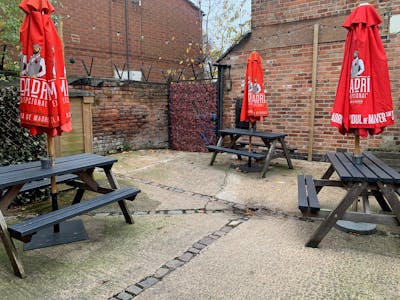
x: 236, y: 208
x: 223, y: 185
x: 165, y: 212
x: 170, y: 266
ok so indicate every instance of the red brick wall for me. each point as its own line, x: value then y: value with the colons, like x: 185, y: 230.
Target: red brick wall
x: 159, y: 33
x: 267, y: 12
x: 128, y: 116
x: 282, y: 32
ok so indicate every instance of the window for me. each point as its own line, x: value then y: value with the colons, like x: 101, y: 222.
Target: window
x: 123, y: 75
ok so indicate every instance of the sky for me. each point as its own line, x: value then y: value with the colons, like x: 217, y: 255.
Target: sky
x: 247, y: 7
x: 215, y: 30
x: 196, y: 2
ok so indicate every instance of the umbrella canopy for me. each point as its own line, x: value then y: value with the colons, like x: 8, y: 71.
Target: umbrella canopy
x: 44, y: 101
x: 363, y: 103
x: 254, y: 106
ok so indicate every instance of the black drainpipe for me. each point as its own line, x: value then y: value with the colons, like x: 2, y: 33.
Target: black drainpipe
x: 168, y: 83
x: 220, y: 95
x: 127, y: 38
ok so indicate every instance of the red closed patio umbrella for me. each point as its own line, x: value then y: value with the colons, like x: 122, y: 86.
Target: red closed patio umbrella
x: 254, y: 106
x: 44, y: 101
x: 363, y: 103
x: 44, y: 106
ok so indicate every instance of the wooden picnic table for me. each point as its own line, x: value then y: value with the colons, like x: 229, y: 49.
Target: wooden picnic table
x: 75, y: 170
x: 371, y: 177
x: 271, y: 142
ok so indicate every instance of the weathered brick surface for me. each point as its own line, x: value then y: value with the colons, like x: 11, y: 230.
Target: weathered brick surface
x: 129, y: 116
x: 134, y: 290
x: 124, y: 296
x: 194, y: 250
x: 199, y: 246
x: 185, y: 257
x: 282, y: 32
x: 161, y: 272
x: 206, y: 241
x: 148, y: 282
x: 174, y: 264
x: 159, y: 33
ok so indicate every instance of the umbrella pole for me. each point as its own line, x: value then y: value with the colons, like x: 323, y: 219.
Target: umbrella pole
x: 357, y: 154
x: 53, y: 191
x: 249, y: 160
x: 357, y: 144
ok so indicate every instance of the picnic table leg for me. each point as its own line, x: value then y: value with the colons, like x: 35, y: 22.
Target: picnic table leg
x: 232, y: 144
x: 336, y: 214
x: 365, y: 201
x: 87, y: 178
x: 122, y: 203
x: 328, y: 173
x: 214, y: 155
x: 388, y: 190
x: 78, y: 196
x: 382, y: 202
x: 286, y: 152
x: 10, y: 249
x: 8, y: 196
x: 271, y: 152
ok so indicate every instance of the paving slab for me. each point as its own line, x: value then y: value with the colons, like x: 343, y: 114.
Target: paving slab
x: 265, y: 258
x: 116, y: 256
x: 189, y: 171
x: 198, y: 235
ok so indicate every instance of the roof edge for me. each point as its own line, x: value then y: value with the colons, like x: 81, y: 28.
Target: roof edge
x: 194, y: 6
x: 234, y: 45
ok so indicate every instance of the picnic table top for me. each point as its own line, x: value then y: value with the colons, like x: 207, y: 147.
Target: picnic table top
x: 26, y: 172
x: 372, y: 169
x: 249, y: 132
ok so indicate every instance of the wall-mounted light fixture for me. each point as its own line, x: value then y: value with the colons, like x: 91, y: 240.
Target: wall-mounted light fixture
x: 228, y: 80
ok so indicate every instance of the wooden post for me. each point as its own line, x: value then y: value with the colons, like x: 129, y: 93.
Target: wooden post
x: 249, y: 160
x: 51, y: 154
x: 87, y: 123
x: 357, y: 151
x: 313, y: 93
x: 53, y: 190
x: 250, y: 128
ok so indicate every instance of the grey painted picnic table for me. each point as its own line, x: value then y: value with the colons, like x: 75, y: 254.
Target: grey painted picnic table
x: 371, y: 177
x: 76, y: 170
x: 269, y: 146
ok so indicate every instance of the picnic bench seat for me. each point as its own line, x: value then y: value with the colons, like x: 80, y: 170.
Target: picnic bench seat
x: 307, y: 195
x: 24, y: 230
x: 246, y: 143
x: 47, y: 182
x: 238, y: 152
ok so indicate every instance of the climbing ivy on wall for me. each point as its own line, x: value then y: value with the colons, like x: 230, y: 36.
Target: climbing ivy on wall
x: 17, y: 145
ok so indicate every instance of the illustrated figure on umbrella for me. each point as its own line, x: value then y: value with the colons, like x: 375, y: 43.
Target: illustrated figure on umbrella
x: 36, y: 65
x: 363, y: 104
